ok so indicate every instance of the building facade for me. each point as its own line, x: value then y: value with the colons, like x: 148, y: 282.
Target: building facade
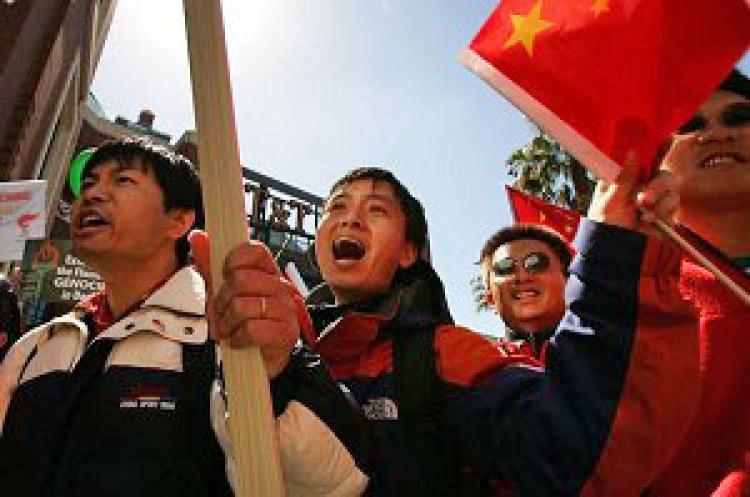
x: 49, y: 50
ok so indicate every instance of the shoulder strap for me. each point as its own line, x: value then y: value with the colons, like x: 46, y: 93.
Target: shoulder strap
x: 205, y: 460
x: 84, y: 375
x: 419, y: 395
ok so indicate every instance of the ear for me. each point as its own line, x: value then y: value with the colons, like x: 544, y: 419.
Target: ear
x: 181, y: 220
x: 489, y: 299
x: 409, y: 254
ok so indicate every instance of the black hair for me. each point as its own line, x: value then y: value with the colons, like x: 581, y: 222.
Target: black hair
x: 175, y: 175
x: 10, y: 315
x: 736, y: 82
x: 416, y: 223
x: 529, y: 231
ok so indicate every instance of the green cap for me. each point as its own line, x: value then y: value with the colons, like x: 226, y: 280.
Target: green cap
x: 76, y: 169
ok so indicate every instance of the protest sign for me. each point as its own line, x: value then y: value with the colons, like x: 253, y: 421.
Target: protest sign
x: 54, y: 280
x: 22, y: 216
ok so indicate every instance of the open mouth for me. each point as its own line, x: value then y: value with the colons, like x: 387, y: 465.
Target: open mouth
x: 717, y: 160
x: 91, y: 220
x: 525, y: 294
x: 347, y: 249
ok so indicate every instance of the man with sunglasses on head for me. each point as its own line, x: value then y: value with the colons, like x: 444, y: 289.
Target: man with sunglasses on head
x: 450, y: 413
x: 709, y: 158
x: 524, y: 270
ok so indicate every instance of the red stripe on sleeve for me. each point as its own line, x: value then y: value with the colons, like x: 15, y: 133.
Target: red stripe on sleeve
x: 465, y: 358
x: 661, y: 390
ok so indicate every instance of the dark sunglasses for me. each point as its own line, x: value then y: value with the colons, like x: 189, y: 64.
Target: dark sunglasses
x: 732, y: 116
x: 533, y: 263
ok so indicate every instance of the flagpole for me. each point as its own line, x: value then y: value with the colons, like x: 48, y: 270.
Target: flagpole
x: 703, y: 260
x: 251, y: 424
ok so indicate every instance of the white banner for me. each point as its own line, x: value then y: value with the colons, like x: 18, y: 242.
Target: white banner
x: 22, y: 216
x: 11, y: 249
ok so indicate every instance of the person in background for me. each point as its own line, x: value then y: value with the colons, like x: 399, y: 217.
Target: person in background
x: 524, y: 269
x: 709, y: 157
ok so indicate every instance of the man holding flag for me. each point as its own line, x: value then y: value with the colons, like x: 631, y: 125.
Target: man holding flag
x: 710, y: 159
x: 555, y: 61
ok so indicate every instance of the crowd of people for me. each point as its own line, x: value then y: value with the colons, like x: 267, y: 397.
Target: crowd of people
x: 622, y: 373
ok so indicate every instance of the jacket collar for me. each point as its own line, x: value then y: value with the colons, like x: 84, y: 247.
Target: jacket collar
x: 184, y: 292
x: 342, y: 333
x: 175, y: 311
x: 537, y: 341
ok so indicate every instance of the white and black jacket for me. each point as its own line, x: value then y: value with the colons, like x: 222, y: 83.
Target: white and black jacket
x: 138, y: 410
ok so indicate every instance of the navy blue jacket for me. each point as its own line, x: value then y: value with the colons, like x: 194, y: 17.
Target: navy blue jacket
x: 599, y: 418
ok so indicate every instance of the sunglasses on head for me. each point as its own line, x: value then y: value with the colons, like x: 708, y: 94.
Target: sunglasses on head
x: 533, y: 263
x: 731, y: 116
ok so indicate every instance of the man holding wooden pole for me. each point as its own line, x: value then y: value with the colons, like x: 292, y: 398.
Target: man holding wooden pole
x: 120, y: 397
x: 710, y: 159
x: 450, y: 412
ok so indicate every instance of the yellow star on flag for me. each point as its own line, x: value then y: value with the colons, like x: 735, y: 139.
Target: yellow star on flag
x: 600, y: 6
x: 525, y: 28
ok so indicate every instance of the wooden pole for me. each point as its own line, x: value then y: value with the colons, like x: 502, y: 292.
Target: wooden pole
x: 251, y: 423
x: 703, y: 260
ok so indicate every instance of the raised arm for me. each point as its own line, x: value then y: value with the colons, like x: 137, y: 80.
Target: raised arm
x: 620, y: 382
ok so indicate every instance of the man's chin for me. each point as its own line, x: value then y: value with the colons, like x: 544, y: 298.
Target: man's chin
x: 87, y: 252
x: 79, y: 249
x: 532, y: 320
x: 349, y: 292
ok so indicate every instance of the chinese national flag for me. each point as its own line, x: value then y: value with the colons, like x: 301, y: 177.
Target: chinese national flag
x: 605, y: 77
x: 529, y: 209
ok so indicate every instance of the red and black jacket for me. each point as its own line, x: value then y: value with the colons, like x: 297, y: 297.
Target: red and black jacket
x: 718, y: 442
x: 599, y: 418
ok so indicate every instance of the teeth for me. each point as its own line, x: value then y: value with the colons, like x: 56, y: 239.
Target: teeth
x: 718, y: 160
x: 90, y: 219
x: 521, y: 294
x: 348, y: 248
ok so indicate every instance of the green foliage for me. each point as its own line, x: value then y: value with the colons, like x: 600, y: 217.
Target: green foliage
x: 478, y: 290
x: 547, y: 171
x: 544, y: 169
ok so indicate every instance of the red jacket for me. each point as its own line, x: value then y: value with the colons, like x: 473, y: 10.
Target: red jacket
x: 720, y: 434
x: 618, y: 388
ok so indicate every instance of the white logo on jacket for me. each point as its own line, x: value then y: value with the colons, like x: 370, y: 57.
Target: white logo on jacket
x: 380, y: 409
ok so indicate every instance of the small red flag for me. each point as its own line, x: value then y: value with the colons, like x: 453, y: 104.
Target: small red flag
x: 529, y: 209
x: 606, y: 77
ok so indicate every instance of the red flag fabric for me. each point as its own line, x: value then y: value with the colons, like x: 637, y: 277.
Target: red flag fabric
x: 529, y: 209
x: 736, y: 484
x: 606, y: 77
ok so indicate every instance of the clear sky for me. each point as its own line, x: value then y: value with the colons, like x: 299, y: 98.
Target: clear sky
x: 321, y: 86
